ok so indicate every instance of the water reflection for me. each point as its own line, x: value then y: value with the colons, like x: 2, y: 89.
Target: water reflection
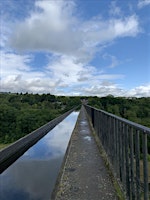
x: 88, y: 138
x: 34, y: 174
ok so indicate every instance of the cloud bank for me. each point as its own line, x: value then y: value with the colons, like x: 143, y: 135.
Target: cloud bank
x: 55, y: 29
x: 71, y: 43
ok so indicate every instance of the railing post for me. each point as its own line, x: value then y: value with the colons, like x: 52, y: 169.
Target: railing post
x: 115, y: 144
x: 145, y: 166
x: 120, y: 150
x: 92, y: 116
x: 127, y: 162
x: 96, y: 119
x: 123, y: 153
x: 121, y: 140
x: 132, y: 163
x: 99, y: 124
x: 108, y: 136
x: 117, y: 148
x: 137, y: 157
x: 111, y: 139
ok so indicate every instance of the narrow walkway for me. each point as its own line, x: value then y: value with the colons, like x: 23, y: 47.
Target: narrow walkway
x: 84, y: 176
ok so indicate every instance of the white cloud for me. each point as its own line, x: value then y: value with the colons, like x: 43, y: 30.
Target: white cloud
x: 98, y: 32
x: 140, y: 91
x: 65, y: 68
x: 48, y: 29
x: 62, y: 76
x: 53, y: 26
x: 103, y: 89
x: 61, y: 73
x: 143, y: 3
x: 18, y: 76
x: 11, y: 62
x: 127, y: 27
x: 106, y: 88
x: 18, y: 83
x: 73, y: 73
x: 56, y: 29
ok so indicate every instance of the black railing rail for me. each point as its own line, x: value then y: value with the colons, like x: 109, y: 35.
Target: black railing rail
x: 126, y: 145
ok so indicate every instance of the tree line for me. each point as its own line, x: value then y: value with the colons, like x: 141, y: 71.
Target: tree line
x: 20, y: 114
x: 133, y: 109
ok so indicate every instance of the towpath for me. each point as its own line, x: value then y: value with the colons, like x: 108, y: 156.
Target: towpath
x: 84, y: 175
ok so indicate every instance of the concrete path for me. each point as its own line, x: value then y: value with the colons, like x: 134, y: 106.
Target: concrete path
x: 84, y: 176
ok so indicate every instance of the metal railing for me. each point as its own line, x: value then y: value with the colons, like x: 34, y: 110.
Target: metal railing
x: 126, y: 145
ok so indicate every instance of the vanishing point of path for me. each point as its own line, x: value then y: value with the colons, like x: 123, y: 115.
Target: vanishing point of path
x: 84, y: 174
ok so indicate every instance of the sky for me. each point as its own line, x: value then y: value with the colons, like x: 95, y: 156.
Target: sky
x: 75, y: 47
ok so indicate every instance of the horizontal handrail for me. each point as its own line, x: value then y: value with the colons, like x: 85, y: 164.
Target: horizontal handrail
x: 134, y: 124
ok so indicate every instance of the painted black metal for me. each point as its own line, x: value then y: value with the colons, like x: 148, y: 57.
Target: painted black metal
x: 121, y: 140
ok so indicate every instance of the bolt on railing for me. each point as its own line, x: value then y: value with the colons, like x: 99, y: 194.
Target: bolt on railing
x: 126, y: 145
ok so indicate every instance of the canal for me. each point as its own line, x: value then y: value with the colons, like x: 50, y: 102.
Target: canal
x: 33, y: 175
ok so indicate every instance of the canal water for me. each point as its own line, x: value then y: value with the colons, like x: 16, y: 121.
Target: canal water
x: 33, y: 175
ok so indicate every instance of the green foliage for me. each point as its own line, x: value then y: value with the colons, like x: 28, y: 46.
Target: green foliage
x: 133, y: 109
x: 20, y: 114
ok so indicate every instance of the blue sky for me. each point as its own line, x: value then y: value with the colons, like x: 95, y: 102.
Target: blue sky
x: 75, y: 47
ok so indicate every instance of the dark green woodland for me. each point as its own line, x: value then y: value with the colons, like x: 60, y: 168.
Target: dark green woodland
x: 20, y: 114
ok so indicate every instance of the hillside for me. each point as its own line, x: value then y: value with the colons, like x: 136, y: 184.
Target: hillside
x: 22, y: 113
